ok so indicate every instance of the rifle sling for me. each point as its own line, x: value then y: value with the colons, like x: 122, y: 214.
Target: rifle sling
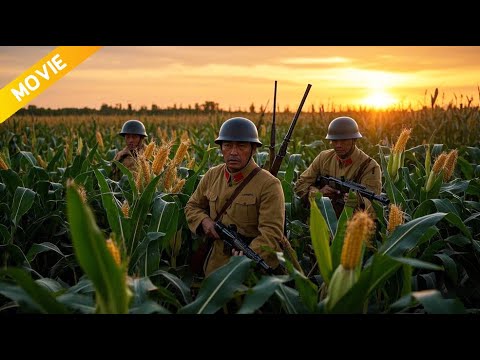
x: 226, y: 248
x: 199, y: 258
x: 237, y: 191
x: 361, y: 170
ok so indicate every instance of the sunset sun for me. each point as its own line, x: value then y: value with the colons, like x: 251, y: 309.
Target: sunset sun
x: 379, y: 100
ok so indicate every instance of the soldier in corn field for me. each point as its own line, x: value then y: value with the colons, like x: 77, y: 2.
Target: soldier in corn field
x: 258, y: 209
x: 134, y: 133
x: 346, y: 160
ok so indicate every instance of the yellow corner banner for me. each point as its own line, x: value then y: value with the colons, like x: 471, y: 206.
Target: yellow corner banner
x: 40, y: 77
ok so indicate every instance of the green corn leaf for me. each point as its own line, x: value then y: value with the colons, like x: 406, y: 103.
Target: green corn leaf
x: 321, y: 241
x: 93, y: 256
x: 22, y: 202
x: 219, y: 287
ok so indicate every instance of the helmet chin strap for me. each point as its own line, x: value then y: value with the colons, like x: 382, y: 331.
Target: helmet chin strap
x: 350, y: 152
x: 248, y: 162
x: 249, y: 159
x: 251, y: 153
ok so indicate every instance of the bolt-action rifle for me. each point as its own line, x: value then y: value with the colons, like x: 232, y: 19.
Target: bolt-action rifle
x: 230, y: 236
x: 275, y: 166
x: 273, y: 130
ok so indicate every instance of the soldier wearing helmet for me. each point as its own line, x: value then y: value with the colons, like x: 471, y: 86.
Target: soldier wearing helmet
x: 258, y: 209
x: 346, y: 160
x: 134, y: 133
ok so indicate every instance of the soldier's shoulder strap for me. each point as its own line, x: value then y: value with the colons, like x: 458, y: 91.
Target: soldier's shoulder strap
x: 361, y: 169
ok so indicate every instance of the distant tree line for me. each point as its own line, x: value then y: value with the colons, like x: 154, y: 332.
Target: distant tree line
x: 207, y: 107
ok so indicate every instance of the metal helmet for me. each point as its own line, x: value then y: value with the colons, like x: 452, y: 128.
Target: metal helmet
x: 133, y: 127
x: 238, y: 129
x: 343, y: 127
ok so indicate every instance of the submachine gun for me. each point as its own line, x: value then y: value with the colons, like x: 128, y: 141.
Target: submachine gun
x: 232, y: 238
x: 345, y: 185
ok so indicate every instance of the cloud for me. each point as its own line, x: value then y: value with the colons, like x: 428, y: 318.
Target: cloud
x: 240, y: 75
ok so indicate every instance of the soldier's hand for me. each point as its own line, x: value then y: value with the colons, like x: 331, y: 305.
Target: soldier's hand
x: 208, y: 226
x: 121, y: 153
x: 329, y: 191
x: 237, y: 252
x: 312, y: 191
x: 350, y: 202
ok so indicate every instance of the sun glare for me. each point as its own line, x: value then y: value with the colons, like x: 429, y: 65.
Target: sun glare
x: 379, y: 100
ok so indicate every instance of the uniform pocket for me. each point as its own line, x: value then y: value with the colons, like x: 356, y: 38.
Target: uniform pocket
x: 245, y: 209
x: 212, y: 202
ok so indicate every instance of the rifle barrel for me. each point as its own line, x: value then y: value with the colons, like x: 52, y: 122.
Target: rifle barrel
x: 283, y: 148
x: 297, y: 114
x: 273, y: 130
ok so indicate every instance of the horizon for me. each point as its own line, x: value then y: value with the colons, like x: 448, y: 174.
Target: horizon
x: 235, y: 77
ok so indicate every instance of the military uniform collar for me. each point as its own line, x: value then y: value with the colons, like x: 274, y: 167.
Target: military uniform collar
x: 235, y: 178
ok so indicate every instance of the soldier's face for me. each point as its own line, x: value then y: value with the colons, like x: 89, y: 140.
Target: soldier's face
x: 236, y: 154
x: 133, y: 141
x: 342, y: 147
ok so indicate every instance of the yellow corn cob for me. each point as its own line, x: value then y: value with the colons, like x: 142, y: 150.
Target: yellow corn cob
x: 83, y: 193
x: 3, y: 164
x: 170, y: 177
x: 160, y: 159
x: 149, y: 150
x: 439, y: 163
x: 178, y: 186
x: 402, y: 140
x: 395, y: 217
x: 98, y: 135
x: 113, y: 249
x: 145, y: 169
x: 42, y: 163
x: 80, y: 146
x: 450, y: 163
x: 180, y: 154
x: 359, y: 230
x: 125, y: 208
x: 437, y: 167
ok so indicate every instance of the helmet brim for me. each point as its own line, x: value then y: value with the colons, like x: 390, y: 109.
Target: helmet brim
x: 253, y: 141
x: 342, y: 137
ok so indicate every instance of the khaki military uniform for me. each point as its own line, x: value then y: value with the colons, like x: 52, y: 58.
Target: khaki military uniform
x: 327, y: 163
x: 258, y: 211
x: 128, y: 159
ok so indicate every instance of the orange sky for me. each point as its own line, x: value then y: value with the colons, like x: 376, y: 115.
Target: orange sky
x: 237, y: 76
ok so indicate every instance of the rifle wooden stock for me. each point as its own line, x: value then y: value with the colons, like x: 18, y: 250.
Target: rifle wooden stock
x: 275, y: 166
x: 273, y: 130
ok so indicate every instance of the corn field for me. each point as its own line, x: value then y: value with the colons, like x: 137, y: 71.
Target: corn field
x: 73, y: 240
